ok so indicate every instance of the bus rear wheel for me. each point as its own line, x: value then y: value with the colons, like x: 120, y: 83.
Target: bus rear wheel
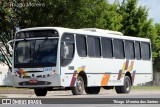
x: 40, y: 91
x: 79, y: 88
x: 92, y: 90
x: 125, y: 88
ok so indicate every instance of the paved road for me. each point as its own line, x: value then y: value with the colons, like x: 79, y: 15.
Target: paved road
x: 102, y: 94
x: 66, y: 96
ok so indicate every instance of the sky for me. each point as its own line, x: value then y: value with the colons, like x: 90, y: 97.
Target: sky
x: 153, y: 7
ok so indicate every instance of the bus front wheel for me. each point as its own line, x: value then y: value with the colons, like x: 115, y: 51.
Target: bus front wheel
x: 40, y: 91
x: 125, y: 88
x: 79, y: 88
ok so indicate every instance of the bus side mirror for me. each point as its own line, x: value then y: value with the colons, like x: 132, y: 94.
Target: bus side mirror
x: 2, y: 58
x: 64, y: 50
x: 10, y: 47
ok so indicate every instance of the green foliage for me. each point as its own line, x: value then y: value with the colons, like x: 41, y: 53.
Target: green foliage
x: 113, y: 18
x: 126, y: 17
x: 6, y: 30
x: 156, y: 48
x: 70, y: 13
x: 128, y: 12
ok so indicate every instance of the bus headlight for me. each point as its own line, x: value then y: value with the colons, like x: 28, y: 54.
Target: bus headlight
x: 53, y: 72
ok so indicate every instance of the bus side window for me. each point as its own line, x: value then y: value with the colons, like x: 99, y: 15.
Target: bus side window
x: 81, y: 45
x: 90, y: 44
x: 94, y: 47
x: 107, y: 49
x: 67, y: 49
x: 145, y: 51
x: 118, y: 49
x: 137, y: 50
x: 97, y: 47
x: 129, y: 49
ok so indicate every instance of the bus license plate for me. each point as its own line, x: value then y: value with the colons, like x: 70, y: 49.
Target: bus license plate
x: 32, y: 81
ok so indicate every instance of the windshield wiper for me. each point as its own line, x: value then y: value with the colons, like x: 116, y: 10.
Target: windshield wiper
x: 41, y: 45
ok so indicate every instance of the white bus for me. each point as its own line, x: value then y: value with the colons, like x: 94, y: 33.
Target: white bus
x: 55, y: 58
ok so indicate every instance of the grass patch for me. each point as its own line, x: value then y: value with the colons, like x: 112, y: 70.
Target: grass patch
x: 12, y: 88
x: 2, y: 96
x: 146, y: 88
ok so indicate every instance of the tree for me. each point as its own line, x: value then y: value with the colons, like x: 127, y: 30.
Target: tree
x: 156, y: 48
x: 113, y: 17
x: 128, y: 11
x: 6, y: 31
x: 136, y: 23
x: 64, y: 13
x: 69, y: 13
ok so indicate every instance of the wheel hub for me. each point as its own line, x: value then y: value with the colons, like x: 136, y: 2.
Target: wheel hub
x: 127, y: 86
x: 79, y: 85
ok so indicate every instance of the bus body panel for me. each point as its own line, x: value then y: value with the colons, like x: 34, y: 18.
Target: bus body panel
x: 97, y: 68
x: 46, y: 74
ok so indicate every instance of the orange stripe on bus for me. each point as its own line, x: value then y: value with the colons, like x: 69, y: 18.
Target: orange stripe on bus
x: 105, y: 79
x: 131, y: 66
x: 123, y: 69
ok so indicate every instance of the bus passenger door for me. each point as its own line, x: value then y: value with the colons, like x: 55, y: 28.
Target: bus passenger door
x: 66, y: 53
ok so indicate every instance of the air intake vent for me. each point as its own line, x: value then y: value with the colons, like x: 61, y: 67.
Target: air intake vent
x: 33, y: 71
x: 26, y: 76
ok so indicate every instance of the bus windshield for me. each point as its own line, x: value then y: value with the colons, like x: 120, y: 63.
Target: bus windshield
x: 36, y: 53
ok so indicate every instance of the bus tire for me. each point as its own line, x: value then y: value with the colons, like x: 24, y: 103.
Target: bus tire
x: 79, y: 88
x: 125, y: 88
x: 92, y: 90
x: 40, y: 91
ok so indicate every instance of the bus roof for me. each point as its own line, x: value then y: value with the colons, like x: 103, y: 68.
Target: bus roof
x: 90, y: 31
